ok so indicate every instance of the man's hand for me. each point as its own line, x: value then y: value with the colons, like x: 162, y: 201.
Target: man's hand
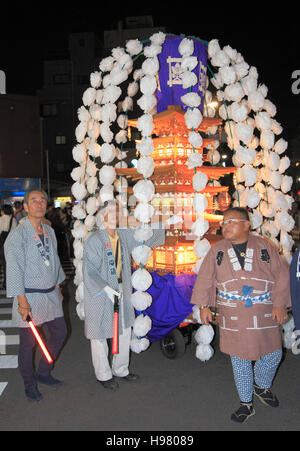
x: 60, y: 292
x: 111, y: 293
x: 206, y: 315
x: 24, y: 308
x: 279, y: 315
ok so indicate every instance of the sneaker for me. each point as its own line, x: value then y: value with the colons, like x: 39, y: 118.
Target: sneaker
x: 48, y: 380
x: 245, y: 411
x: 32, y: 394
x: 266, y: 396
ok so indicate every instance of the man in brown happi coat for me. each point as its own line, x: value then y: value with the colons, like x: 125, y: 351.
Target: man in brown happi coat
x: 244, y: 276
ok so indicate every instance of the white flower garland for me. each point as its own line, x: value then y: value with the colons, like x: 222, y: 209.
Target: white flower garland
x: 251, y: 131
x: 261, y: 189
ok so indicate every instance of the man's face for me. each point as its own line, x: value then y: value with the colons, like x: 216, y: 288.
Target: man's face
x: 235, y: 227
x: 37, y: 205
x: 111, y: 217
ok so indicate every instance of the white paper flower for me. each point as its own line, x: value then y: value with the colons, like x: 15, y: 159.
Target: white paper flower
x: 200, y: 203
x: 141, y: 279
x: 145, y: 124
x: 139, y: 345
x: 204, y: 352
x: 147, y: 102
x: 143, y: 233
x: 145, y: 166
x: 107, y: 175
x: 204, y: 334
x: 78, y: 211
x: 253, y: 198
x: 199, y: 181
x: 143, y: 212
x: 200, y: 227
x: 194, y: 160
x: 92, y: 184
x: 107, y: 153
x: 195, y: 140
x: 141, y: 254
x: 193, y: 118
x: 189, y: 79
x: 191, y: 99
x: 142, y: 325
x: 150, y: 66
x: 201, y: 247
x: 79, y: 153
x: 144, y: 190
x: 78, y: 173
x: 89, y: 96
x: 148, y: 85
x: 280, y: 146
x: 79, y: 190
x: 186, y: 47
x: 145, y: 147
x: 256, y: 219
x: 228, y: 75
x: 134, y: 47
x: 141, y: 300
x: 244, y: 132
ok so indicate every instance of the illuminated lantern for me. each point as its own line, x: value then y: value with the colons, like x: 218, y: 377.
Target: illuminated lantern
x: 173, y: 181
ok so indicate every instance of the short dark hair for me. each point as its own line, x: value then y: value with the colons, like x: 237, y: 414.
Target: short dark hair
x: 27, y: 194
x: 7, y: 209
x: 243, y: 211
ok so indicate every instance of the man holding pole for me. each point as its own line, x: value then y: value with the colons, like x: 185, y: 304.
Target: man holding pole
x: 246, y: 278
x: 107, y: 276
x: 34, y: 274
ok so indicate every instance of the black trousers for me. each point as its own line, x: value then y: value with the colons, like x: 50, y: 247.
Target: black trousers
x: 58, y: 332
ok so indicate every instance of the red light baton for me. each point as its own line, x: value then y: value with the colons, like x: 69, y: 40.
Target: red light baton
x: 39, y: 340
x: 115, y: 340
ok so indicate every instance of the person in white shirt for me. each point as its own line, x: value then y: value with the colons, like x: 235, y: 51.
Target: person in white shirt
x: 7, y: 223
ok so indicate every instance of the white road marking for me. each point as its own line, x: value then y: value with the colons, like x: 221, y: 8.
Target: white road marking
x: 2, y: 387
x: 8, y: 361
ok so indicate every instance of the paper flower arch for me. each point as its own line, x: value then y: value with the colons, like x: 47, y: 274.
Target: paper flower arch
x: 251, y: 128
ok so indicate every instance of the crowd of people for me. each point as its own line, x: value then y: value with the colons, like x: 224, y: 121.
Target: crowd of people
x: 60, y: 219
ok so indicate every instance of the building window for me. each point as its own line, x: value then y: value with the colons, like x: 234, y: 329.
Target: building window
x: 49, y: 110
x: 62, y: 79
x: 60, y: 140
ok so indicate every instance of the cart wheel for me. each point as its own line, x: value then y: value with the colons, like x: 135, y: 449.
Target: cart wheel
x: 173, y: 345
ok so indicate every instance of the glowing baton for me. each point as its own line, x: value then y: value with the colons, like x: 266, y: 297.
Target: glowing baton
x: 39, y: 340
x: 115, y: 340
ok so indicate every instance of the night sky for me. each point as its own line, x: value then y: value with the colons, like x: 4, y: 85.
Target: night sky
x: 267, y: 40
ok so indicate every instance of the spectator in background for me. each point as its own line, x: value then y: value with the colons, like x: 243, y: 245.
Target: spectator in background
x: 60, y: 231
x: 7, y: 223
x: 19, y: 211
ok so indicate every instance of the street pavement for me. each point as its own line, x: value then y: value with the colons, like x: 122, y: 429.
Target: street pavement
x: 182, y: 395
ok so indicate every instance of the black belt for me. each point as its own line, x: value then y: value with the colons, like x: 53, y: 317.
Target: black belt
x: 120, y: 280
x: 39, y: 290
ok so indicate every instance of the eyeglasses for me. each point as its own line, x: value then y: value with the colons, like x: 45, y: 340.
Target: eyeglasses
x: 231, y: 221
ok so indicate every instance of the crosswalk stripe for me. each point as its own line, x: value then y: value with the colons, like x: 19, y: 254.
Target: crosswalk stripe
x: 6, y: 323
x: 2, y: 387
x: 5, y: 311
x: 8, y: 361
x: 9, y: 340
x: 6, y: 300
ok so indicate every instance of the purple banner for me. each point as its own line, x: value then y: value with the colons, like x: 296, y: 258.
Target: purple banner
x: 170, y: 88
